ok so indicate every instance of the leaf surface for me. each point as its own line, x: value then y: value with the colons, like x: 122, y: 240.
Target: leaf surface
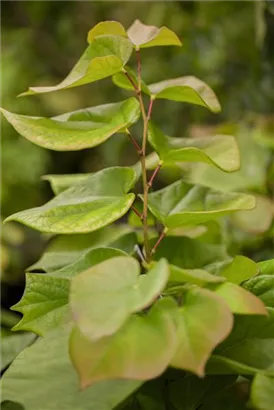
x: 43, y: 378
x: 220, y: 150
x: 240, y: 269
x: 105, y: 56
x: 103, y: 297
x: 106, y: 28
x: 195, y: 276
x: 187, y: 89
x: 12, y: 345
x: 202, y: 323
x: 262, y: 390
x: 178, y: 204
x: 85, y: 207
x: 60, y: 183
x: 141, y: 349
x: 143, y: 36
x: 76, y: 130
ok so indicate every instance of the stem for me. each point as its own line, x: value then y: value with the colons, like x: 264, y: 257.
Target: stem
x: 136, y: 212
x: 132, y: 82
x: 154, y: 175
x: 161, y: 237
x: 139, y: 68
x: 134, y: 142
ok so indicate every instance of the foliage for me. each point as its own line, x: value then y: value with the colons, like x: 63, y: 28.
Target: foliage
x: 116, y: 309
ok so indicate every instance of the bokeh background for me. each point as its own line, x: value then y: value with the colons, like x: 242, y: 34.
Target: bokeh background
x: 228, y: 44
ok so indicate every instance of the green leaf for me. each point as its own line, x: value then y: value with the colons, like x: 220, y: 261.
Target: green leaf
x: 191, y: 392
x: 44, y: 303
x: 223, y: 365
x: 85, y: 207
x: 266, y: 267
x: 42, y: 378
x: 263, y: 287
x: 188, y: 253
x: 178, y: 204
x: 103, y: 297
x: 105, y: 56
x: 220, y: 150
x: 106, y: 28
x: 187, y: 89
x: 195, y: 276
x: 141, y: 349
x: 240, y: 300
x: 239, y: 270
x: 202, y: 323
x: 60, y: 183
x: 66, y: 249
x: 262, y: 390
x: 76, y: 130
x: 143, y: 36
x: 12, y: 345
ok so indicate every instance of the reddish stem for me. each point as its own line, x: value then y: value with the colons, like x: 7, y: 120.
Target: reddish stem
x: 154, y: 175
x: 135, y: 143
x: 161, y: 237
x: 132, y: 82
x: 137, y: 212
x: 150, y: 108
x: 139, y: 68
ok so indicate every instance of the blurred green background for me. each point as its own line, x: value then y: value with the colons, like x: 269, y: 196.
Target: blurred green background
x: 228, y: 44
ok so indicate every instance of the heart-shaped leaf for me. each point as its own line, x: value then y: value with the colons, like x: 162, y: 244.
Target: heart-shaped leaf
x: 76, y: 130
x: 262, y: 389
x: 220, y: 150
x: 141, y: 349
x: 239, y: 270
x: 44, y: 303
x: 186, y: 89
x: 178, y: 204
x: 195, y: 276
x: 202, y: 323
x: 43, y: 378
x: 143, y: 36
x: 105, y: 56
x: 106, y: 28
x: 240, y: 300
x: 85, y: 207
x: 103, y: 297
x: 66, y: 249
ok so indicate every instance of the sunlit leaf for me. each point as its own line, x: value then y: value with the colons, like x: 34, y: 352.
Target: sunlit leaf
x: 178, y: 204
x: 76, y: 130
x: 60, y: 183
x: 195, y: 276
x: 239, y: 300
x: 42, y: 377
x: 44, y: 304
x: 220, y: 150
x: 66, y: 249
x: 103, y: 297
x: 106, y: 28
x: 266, y: 267
x: 85, y: 207
x: 143, y: 36
x: 202, y: 323
x: 262, y: 390
x: 105, y: 56
x: 240, y: 269
x: 187, y: 89
x: 141, y: 349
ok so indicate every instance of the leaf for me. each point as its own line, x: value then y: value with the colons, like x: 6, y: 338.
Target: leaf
x: 191, y: 392
x: 85, y: 207
x: 76, y: 130
x: 66, y: 249
x: 44, y: 303
x: 103, y: 297
x: 105, y: 56
x: 149, y: 340
x: 262, y: 389
x: 42, y: 378
x: 122, y: 81
x: 187, y: 89
x: 189, y: 253
x: 239, y: 270
x: 143, y: 36
x: 12, y: 345
x: 60, y: 183
x: 240, y: 300
x: 263, y: 287
x: 259, y: 219
x: 220, y: 150
x: 106, y: 28
x: 266, y: 267
x: 178, y: 204
x: 202, y: 323
x: 195, y: 276
x: 222, y: 365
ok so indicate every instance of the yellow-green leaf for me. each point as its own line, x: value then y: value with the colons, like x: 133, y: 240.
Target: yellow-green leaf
x: 240, y: 269
x: 106, y: 28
